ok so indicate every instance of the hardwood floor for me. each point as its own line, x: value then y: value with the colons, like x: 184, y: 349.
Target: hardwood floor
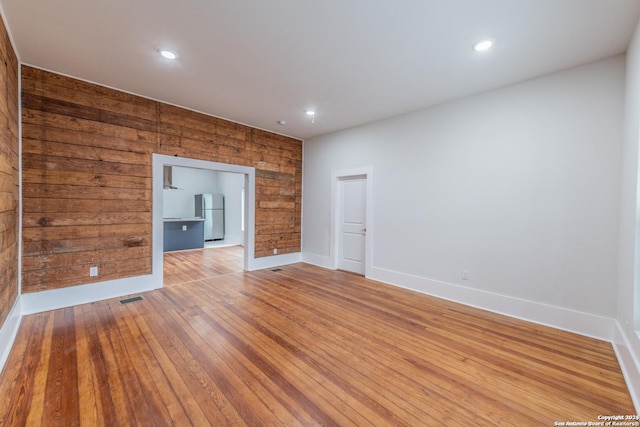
x: 198, y: 264
x: 302, y: 346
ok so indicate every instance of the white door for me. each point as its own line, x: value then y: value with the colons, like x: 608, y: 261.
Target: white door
x: 352, y: 227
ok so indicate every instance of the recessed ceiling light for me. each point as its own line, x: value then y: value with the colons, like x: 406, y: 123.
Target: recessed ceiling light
x: 312, y: 114
x: 482, y: 45
x: 168, y: 54
x: 282, y: 122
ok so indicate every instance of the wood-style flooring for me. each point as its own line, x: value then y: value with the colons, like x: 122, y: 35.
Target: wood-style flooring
x: 300, y: 346
x: 199, y: 264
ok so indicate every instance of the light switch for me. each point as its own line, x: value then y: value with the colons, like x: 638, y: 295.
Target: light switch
x: 184, y: 228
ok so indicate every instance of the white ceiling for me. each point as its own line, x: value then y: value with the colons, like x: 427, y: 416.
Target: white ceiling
x: 353, y: 61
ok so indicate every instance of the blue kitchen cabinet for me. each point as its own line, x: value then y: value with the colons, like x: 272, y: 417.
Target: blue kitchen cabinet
x: 183, y: 233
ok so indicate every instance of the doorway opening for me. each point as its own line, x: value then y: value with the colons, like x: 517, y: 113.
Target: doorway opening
x: 352, y: 220
x: 239, y: 246
x: 215, y: 199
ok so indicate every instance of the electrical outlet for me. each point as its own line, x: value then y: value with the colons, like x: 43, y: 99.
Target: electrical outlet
x: 93, y: 271
x: 464, y: 274
x: 275, y: 251
x: 184, y: 228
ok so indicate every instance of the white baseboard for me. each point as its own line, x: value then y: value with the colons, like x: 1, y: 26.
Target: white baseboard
x: 628, y: 360
x: 595, y: 326
x: 627, y: 348
x: 591, y: 325
x: 317, y: 260
x: 9, y: 331
x: 75, y: 295
x: 233, y: 240
x: 273, y: 261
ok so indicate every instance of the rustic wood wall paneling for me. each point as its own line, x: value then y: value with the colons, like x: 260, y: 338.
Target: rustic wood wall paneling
x: 86, y: 181
x: 87, y: 177
x: 9, y: 177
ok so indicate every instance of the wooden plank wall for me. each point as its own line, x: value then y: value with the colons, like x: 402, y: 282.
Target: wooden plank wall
x: 9, y: 178
x: 87, y: 180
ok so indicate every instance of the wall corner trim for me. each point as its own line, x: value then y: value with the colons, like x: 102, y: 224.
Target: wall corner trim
x: 627, y: 358
x: 318, y: 260
x: 274, y: 261
x: 9, y: 331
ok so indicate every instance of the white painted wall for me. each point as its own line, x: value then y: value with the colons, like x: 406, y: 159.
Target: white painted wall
x: 629, y: 187
x: 231, y: 185
x: 520, y: 186
x: 181, y: 203
x: 628, y: 344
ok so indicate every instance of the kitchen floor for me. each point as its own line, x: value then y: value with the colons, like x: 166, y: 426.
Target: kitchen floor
x: 218, y: 244
x: 199, y: 264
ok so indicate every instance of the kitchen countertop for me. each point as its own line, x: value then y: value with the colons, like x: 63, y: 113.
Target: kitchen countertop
x: 182, y: 219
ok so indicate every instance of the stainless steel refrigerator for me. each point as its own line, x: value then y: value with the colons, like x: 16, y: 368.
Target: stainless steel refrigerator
x: 211, y: 208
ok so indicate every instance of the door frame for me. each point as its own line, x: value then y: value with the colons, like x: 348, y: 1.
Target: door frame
x: 336, y: 206
x: 158, y: 162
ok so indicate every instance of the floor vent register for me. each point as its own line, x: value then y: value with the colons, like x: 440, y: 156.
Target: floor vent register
x: 128, y: 300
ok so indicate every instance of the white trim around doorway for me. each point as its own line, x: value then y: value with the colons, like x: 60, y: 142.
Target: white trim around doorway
x: 336, y: 177
x: 159, y: 161
x: 66, y: 297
